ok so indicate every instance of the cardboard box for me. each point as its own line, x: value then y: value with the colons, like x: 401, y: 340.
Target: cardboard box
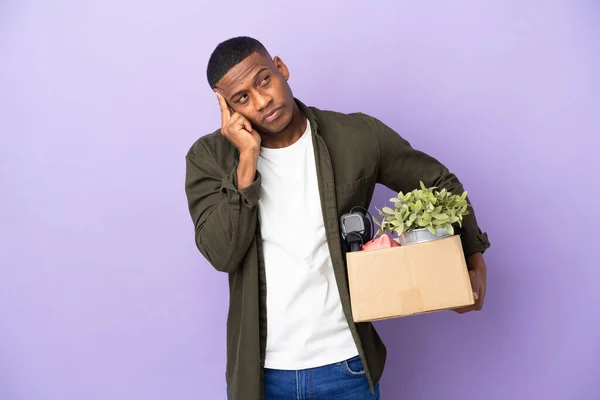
x: 408, y: 280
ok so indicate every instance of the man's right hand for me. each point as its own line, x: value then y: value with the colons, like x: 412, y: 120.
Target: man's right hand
x: 237, y: 129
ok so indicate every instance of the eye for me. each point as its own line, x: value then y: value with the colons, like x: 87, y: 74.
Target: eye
x: 265, y: 81
x: 243, y: 98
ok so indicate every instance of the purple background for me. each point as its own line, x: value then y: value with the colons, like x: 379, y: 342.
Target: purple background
x: 102, y: 292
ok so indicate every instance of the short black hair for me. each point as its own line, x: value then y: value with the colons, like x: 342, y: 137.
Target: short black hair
x: 230, y: 53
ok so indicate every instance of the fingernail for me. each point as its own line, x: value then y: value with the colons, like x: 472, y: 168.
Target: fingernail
x: 475, y: 295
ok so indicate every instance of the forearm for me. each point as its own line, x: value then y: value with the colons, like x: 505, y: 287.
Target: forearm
x: 246, y: 171
x: 226, y: 235
x: 224, y: 217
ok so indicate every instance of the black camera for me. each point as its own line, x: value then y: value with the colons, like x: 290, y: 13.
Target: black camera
x: 356, y: 229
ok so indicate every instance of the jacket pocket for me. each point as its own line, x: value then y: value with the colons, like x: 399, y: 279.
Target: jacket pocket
x: 353, y: 194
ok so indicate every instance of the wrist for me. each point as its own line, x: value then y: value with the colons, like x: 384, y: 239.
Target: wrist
x: 249, y: 155
x: 248, y: 162
x: 246, y: 170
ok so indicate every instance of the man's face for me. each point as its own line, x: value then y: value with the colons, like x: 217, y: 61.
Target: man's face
x: 257, y: 88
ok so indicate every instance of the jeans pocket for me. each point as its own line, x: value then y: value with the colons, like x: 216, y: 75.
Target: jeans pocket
x: 354, y: 367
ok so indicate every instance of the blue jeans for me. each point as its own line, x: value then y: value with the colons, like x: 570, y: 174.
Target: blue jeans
x: 345, y: 380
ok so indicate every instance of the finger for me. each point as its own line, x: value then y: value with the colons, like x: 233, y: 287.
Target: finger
x: 225, y: 110
x: 475, y: 284
x: 476, y: 300
x: 475, y: 306
x: 234, y: 120
x: 478, y: 285
x: 481, y: 298
x: 240, y: 122
x: 467, y: 309
x: 247, y: 125
x: 226, y: 129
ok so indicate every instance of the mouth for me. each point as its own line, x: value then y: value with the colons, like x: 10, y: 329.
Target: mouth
x: 272, y: 115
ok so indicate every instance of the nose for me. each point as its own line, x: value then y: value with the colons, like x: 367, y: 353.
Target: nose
x: 261, y: 101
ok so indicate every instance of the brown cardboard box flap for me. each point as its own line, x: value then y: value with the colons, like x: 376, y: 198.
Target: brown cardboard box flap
x: 407, y: 280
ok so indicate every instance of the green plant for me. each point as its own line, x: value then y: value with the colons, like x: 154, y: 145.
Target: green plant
x: 423, y: 208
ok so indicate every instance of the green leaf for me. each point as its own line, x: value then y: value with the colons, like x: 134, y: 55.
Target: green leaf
x: 431, y: 229
x: 463, y: 196
x: 397, y: 223
x: 376, y: 221
x: 449, y: 229
x: 440, y: 216
x: 413, y: 207
x: 388, y: 210
x: 422, y: 185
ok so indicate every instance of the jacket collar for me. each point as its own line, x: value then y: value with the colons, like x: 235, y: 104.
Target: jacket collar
x: 308, y: 113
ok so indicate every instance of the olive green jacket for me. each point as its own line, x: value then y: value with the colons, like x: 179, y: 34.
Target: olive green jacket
x: 353, y: 152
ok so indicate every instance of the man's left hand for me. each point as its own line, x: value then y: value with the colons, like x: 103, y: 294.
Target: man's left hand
x: 478, y: 275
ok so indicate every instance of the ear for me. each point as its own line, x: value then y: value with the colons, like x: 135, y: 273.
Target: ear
x: 281, y: 67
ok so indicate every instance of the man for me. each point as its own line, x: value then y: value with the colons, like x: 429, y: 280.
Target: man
x: 265, y: 193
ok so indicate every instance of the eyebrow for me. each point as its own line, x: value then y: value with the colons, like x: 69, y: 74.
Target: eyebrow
x: 260, y: 71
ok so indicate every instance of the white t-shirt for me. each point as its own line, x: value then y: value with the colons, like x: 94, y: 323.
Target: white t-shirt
x: 306, y: 327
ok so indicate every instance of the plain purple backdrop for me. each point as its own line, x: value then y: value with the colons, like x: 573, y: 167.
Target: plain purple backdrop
x: 103, y: 294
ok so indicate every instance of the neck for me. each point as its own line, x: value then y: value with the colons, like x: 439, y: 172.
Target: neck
x: 289, y: 135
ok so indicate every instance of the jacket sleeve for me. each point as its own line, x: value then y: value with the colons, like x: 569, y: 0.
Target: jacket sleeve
x: 224, y: 217
x: 401, y: 167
